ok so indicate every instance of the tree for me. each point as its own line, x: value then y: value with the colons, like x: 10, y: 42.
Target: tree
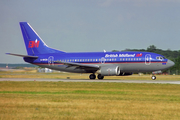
x: 151, y: 48
x: 115, y: 50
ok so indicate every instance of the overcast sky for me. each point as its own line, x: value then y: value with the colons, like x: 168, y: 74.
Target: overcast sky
x: 90, y: 25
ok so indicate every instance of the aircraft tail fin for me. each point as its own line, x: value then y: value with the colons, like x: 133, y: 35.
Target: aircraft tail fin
x: 34, y: 44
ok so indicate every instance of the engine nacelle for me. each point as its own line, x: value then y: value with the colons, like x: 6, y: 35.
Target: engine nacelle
x: 125, y: 73
x: 109, y: 70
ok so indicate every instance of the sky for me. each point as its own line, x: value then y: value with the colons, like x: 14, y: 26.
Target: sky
x: 90, y: 25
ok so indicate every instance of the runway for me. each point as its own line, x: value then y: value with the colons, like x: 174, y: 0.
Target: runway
x: 77, y: 80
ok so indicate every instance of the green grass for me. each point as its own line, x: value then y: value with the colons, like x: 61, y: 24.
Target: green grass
x: 81, y: 100
x: 34, y: 74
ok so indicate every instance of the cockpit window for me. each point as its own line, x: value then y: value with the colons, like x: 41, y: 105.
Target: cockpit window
x: 160, y: 58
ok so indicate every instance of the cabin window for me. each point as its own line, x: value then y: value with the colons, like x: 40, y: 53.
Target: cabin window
x: 160, y: 58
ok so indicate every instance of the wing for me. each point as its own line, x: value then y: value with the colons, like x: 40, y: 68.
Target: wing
x: 92, y: 68
x: 22, y: 55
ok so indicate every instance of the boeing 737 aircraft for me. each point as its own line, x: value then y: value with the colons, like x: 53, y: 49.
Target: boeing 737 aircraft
x: 101, y: 63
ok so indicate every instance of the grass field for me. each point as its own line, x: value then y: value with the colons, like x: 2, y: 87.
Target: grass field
x: 81, y: 100
x: 86, y: 101
x: 34, y: 74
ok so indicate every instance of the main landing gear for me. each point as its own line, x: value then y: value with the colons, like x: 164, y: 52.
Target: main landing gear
x: 93, y: 76
x: 100, y: 76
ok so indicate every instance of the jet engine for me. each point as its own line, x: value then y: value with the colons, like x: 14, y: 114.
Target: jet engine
x: 109, y: 70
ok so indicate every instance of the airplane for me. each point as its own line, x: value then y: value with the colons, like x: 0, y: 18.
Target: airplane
x: 101, y: 63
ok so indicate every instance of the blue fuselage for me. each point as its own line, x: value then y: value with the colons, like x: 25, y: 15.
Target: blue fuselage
x: 127, y: 61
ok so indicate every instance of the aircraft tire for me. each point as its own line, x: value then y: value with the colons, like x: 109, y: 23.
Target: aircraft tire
x: 100, y: 77
x: 92, y: 76
x: 153, y: 77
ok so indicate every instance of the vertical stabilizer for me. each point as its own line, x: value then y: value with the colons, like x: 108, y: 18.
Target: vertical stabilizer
x: 34, y: 44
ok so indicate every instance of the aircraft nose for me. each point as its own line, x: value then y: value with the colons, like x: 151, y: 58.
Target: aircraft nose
x: 170, y: 63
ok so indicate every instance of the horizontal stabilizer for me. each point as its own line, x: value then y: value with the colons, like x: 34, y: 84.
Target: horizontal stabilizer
x: 22, y: 55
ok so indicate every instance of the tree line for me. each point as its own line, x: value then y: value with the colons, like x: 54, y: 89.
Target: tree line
x: 169, y: 54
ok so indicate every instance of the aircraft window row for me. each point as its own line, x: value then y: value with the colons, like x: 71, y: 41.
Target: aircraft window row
x: 113, y: 59
x: 99, y: 60
x: 130, y: 59
x: 79, y: 60
x: 86, y: 60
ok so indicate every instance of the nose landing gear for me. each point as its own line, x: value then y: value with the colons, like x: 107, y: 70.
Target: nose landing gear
x: 153, y: 77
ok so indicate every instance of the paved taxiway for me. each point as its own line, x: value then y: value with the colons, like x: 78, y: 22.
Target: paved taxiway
x: 73, y: 80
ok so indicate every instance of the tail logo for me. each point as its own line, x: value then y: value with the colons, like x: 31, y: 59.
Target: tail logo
x: 33, y: 44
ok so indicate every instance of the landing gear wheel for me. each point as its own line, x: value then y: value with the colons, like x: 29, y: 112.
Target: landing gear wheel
x: 153, y: 77
x: 100, y: 77
x: 92, y: 76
